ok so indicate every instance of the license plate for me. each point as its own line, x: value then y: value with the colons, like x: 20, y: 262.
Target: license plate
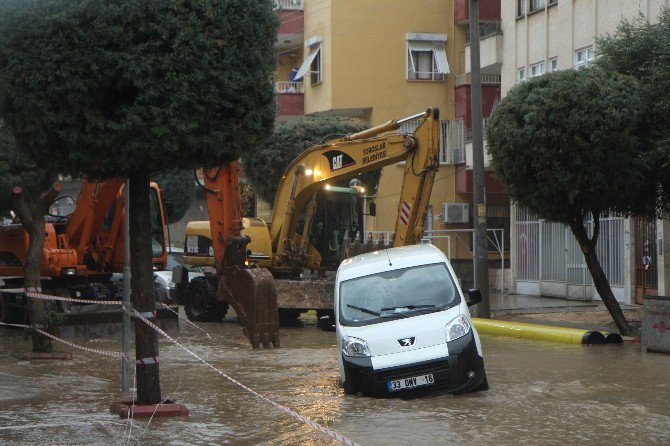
x: 191, y: 244
x: 408, y: 383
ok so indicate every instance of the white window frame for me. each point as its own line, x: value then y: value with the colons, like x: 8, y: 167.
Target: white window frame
x: 521, y: 8
x: 313, y: 63
x: 553, y: 64
x: 583, y: 57
x: 536, y: 69
x: 430, y: 47
x: 521, y: 74
x: 536, y: 5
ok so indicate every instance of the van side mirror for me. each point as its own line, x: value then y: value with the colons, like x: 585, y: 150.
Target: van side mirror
x: 474, y: 297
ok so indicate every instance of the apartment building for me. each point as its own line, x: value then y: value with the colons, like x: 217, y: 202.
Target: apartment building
x: 548, y: 35
x: 379, y: 60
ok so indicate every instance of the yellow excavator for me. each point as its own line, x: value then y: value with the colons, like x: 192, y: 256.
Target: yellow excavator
x: 302, y: 235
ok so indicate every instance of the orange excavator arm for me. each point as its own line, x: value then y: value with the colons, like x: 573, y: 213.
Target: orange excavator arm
x: 250, y: 291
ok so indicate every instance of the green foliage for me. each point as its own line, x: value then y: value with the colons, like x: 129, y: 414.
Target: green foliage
x: 565, y: 143
x: 104, y: 87
x: 289, y: 139
x: 179, y: 189
x: 642, y: 50
x: 16, y: 169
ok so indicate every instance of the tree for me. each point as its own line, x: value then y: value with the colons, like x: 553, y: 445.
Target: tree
x: 28, y: 190
x: 288, y: 140
x: 642, y: 50
x: 565, y: 145
x: 130, y: 88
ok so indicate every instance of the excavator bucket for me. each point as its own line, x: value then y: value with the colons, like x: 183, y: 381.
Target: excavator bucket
x: 252, y: 294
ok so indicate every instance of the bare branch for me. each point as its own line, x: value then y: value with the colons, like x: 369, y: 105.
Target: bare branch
x: 47, y: 197
x: 21, y: 208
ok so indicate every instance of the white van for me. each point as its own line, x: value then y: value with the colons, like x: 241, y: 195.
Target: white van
x: 403, y: 326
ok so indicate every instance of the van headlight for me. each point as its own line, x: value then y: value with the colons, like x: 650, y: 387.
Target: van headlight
x: 355, y: 347
x: 457, y: 327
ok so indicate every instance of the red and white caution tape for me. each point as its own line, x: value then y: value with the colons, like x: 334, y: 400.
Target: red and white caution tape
x: 182, y: 318
x: 331, y: 433
x: 71, y: 299
x: 63, y: 341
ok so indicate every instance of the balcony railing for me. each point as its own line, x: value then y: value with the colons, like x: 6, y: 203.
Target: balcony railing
x: 486, y: 29
x: 452, y: 142
x: 466, y: 79
x: 297, y: 5
x: 485, y: 124
x: 289, y: 87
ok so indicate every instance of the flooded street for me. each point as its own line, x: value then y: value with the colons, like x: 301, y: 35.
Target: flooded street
x: 541, y: 393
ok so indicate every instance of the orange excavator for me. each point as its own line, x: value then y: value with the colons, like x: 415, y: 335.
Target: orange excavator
x: 248, y: 288
x: 82, y: 251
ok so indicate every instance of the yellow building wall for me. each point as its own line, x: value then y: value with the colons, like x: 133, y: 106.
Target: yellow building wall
x: 365, y: 69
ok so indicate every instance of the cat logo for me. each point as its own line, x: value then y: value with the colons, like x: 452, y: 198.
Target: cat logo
x: 337, y: 160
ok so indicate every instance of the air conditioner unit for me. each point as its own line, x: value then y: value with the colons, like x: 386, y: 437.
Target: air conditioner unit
x: 455, y: 213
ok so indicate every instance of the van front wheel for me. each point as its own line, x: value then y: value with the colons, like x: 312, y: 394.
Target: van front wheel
x: 349, y: 387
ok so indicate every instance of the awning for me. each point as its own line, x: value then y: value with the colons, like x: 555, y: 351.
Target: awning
x: 304, y: 68
x: 439, y: 53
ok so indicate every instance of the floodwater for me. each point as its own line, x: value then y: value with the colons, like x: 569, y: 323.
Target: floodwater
x: 541, y: 393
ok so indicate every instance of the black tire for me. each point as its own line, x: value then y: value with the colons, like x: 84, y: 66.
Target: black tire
x: 162, y: 295
x: 201, y: 304
x: 349, y: 388
x: 325, y: 320
x: 483, y: 386
x: 348, y: 385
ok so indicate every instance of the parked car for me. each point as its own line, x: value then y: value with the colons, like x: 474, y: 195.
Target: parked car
x: 403, y: 326
x: 165, y: 290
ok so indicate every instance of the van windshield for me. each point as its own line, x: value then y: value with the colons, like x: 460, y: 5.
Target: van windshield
x: 399, y: 293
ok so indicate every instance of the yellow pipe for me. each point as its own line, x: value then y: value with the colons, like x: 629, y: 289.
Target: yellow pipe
x: 538, y: 332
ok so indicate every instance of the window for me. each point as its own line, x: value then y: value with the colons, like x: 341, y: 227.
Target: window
x: 312, y: 62
x: 553, y: 64
x: 521, y: 74
x: 521, y: 8
x: 426, y: 56
x: 537, y: 69
x: 536, y: 4
x: 583, y: 57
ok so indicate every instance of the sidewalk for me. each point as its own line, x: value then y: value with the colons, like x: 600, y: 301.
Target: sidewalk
x: 590, y: 315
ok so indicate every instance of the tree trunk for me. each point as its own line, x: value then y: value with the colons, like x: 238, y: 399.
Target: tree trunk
x: 32, y: 220
x: 142, y: 294
x: 32, y: 282
x: 600, y: 281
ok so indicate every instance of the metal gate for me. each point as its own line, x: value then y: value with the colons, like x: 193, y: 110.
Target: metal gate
x: 550, y: 262
x: 646, y: 270
x: 578, y: 277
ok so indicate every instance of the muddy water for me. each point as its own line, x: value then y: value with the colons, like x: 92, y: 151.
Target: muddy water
x: 541, y: 393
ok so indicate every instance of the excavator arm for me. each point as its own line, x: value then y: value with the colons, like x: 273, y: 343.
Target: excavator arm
x: 249, y: 290
x: 344, y: 158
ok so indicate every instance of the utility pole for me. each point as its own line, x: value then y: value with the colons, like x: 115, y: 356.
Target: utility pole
x: 478, y: 177
x: 125, y: 334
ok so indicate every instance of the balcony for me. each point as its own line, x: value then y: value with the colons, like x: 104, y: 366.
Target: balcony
x: 488, y: 10
x: 290, y: 98
x: 466, y: 79
x: 292, y: 5
x: 292, y: 28
x: 490, y: 48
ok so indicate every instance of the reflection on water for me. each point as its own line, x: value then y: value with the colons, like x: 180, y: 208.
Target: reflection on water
x: 541, y: 393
